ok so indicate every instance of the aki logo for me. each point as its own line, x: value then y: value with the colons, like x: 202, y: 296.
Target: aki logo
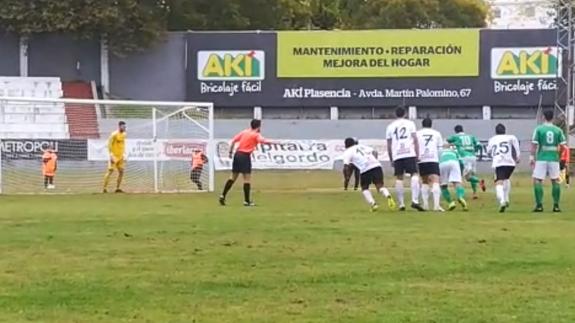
x: 526, y: 63
x: 231, y: 65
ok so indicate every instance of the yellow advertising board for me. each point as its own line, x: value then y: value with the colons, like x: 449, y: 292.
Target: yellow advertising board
x: 378, y: 53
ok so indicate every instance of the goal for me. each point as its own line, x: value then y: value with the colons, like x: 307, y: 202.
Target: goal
x: 162, y: 138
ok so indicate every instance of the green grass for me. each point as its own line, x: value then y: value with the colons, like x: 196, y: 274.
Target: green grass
x: 303, y: 255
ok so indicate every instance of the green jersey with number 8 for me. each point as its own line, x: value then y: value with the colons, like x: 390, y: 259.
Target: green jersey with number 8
x: 548, y: 138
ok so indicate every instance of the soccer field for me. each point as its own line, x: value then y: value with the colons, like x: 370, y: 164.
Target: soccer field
x: 308, y: 253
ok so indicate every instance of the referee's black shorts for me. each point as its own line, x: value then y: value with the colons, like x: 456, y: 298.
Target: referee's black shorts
x: 242, y: 163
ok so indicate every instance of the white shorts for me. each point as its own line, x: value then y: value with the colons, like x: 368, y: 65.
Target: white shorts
x: 545, y: 169
x: 450, y: 172
x: 469, y: 165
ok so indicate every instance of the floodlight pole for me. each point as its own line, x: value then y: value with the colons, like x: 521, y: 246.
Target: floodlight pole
x: 565, y: 93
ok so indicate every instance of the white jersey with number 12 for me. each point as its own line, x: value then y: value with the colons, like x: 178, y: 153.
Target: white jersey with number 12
x: 502, y: 148
x: 400, y: 132
x: 430, y: 144
x: 362, y: 157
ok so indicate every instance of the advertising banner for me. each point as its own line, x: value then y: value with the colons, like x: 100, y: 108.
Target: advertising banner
x: 375, y: 68
x: 378, y: 53
x: 147, y: 149
x: 295, y: 154
x: 29, y: 149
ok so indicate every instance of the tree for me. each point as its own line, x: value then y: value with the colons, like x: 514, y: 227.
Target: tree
x: 131, y: 25
x: 388, y: 14
x: 127, y: 24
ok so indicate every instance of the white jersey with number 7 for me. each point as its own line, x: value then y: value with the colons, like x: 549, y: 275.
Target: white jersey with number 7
x: 430, y: 143
x: 400, y: 132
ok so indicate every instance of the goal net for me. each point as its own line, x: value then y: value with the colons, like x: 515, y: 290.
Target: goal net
x: 162, y: 141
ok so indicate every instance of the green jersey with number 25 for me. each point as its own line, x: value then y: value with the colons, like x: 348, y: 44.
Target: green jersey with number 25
x: 548, y: 138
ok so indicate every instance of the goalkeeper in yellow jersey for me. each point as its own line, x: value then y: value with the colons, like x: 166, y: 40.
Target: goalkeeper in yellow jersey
x: 116, y: 148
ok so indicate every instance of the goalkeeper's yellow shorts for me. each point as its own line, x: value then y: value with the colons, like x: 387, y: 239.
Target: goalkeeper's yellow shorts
x: 119, y: 164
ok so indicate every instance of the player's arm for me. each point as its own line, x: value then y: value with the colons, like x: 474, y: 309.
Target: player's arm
x: 415, y: 144
x: 233, y: 143
x: 415, y: 141
x: 111, y: 144
x: 205, y: 158
x: 534, y: 147
x: 516, y: 150
x: 389, y: 143
x: 490, y: 149
x: 452, y: 140
x: 262, y: 140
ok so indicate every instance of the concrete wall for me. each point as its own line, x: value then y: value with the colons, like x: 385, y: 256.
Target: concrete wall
x: 9, y: 55
x: 373, y: 129
x: 156, y: 74
x: 65, y: 57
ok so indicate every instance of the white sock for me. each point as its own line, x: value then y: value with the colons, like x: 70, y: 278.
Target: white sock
x: 499, y: 191
x: 368, y: 197
x: 415, y: 189
x: 436, y: 191
x: 506, y: 189
x: 385, y: 192
x: 399, y: 191
x: 425, y: 195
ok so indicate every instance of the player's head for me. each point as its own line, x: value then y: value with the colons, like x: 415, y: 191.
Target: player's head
x: 427, y: 123
x: 50, y: 148
x: 400, y: 112
x: 122, y: 126
x: 350, y: 142
x: 458, y: 128
x: 256, y: 124
x: 548, y: 115
x: 500, y: 129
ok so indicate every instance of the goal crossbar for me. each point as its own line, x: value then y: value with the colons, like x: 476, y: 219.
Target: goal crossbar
x: 109, y: 102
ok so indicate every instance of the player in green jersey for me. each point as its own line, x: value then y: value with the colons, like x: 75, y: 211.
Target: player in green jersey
x: 545, y: 156
x: 467, y: 147
x: 450, y: 173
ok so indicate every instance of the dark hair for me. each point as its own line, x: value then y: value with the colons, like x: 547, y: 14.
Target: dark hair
x: 400, y: 112
x: 548, y: 115
x: 255, y: 124
x: 458, y: 128
x: 350, y: 142
x: 427, y: 122
x: 121, y: 123
x: 500, y: 129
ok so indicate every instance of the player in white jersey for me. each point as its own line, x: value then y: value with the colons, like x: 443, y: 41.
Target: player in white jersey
x: 505, y: 153
x: 430, y: 144
x: 403, y: 149
x: 364, y: 158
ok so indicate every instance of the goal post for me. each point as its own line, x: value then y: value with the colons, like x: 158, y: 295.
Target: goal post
x: 161, y: 140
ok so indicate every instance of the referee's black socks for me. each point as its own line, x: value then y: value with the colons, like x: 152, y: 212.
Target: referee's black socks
x: 228, y: 187
x: 247, y: 188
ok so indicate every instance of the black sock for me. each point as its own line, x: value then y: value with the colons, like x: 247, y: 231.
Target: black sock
x: 45, y: 181
x: 228, y: 187
x: 568, y: 179
x: 51, y: 180
x: 247, y: 188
